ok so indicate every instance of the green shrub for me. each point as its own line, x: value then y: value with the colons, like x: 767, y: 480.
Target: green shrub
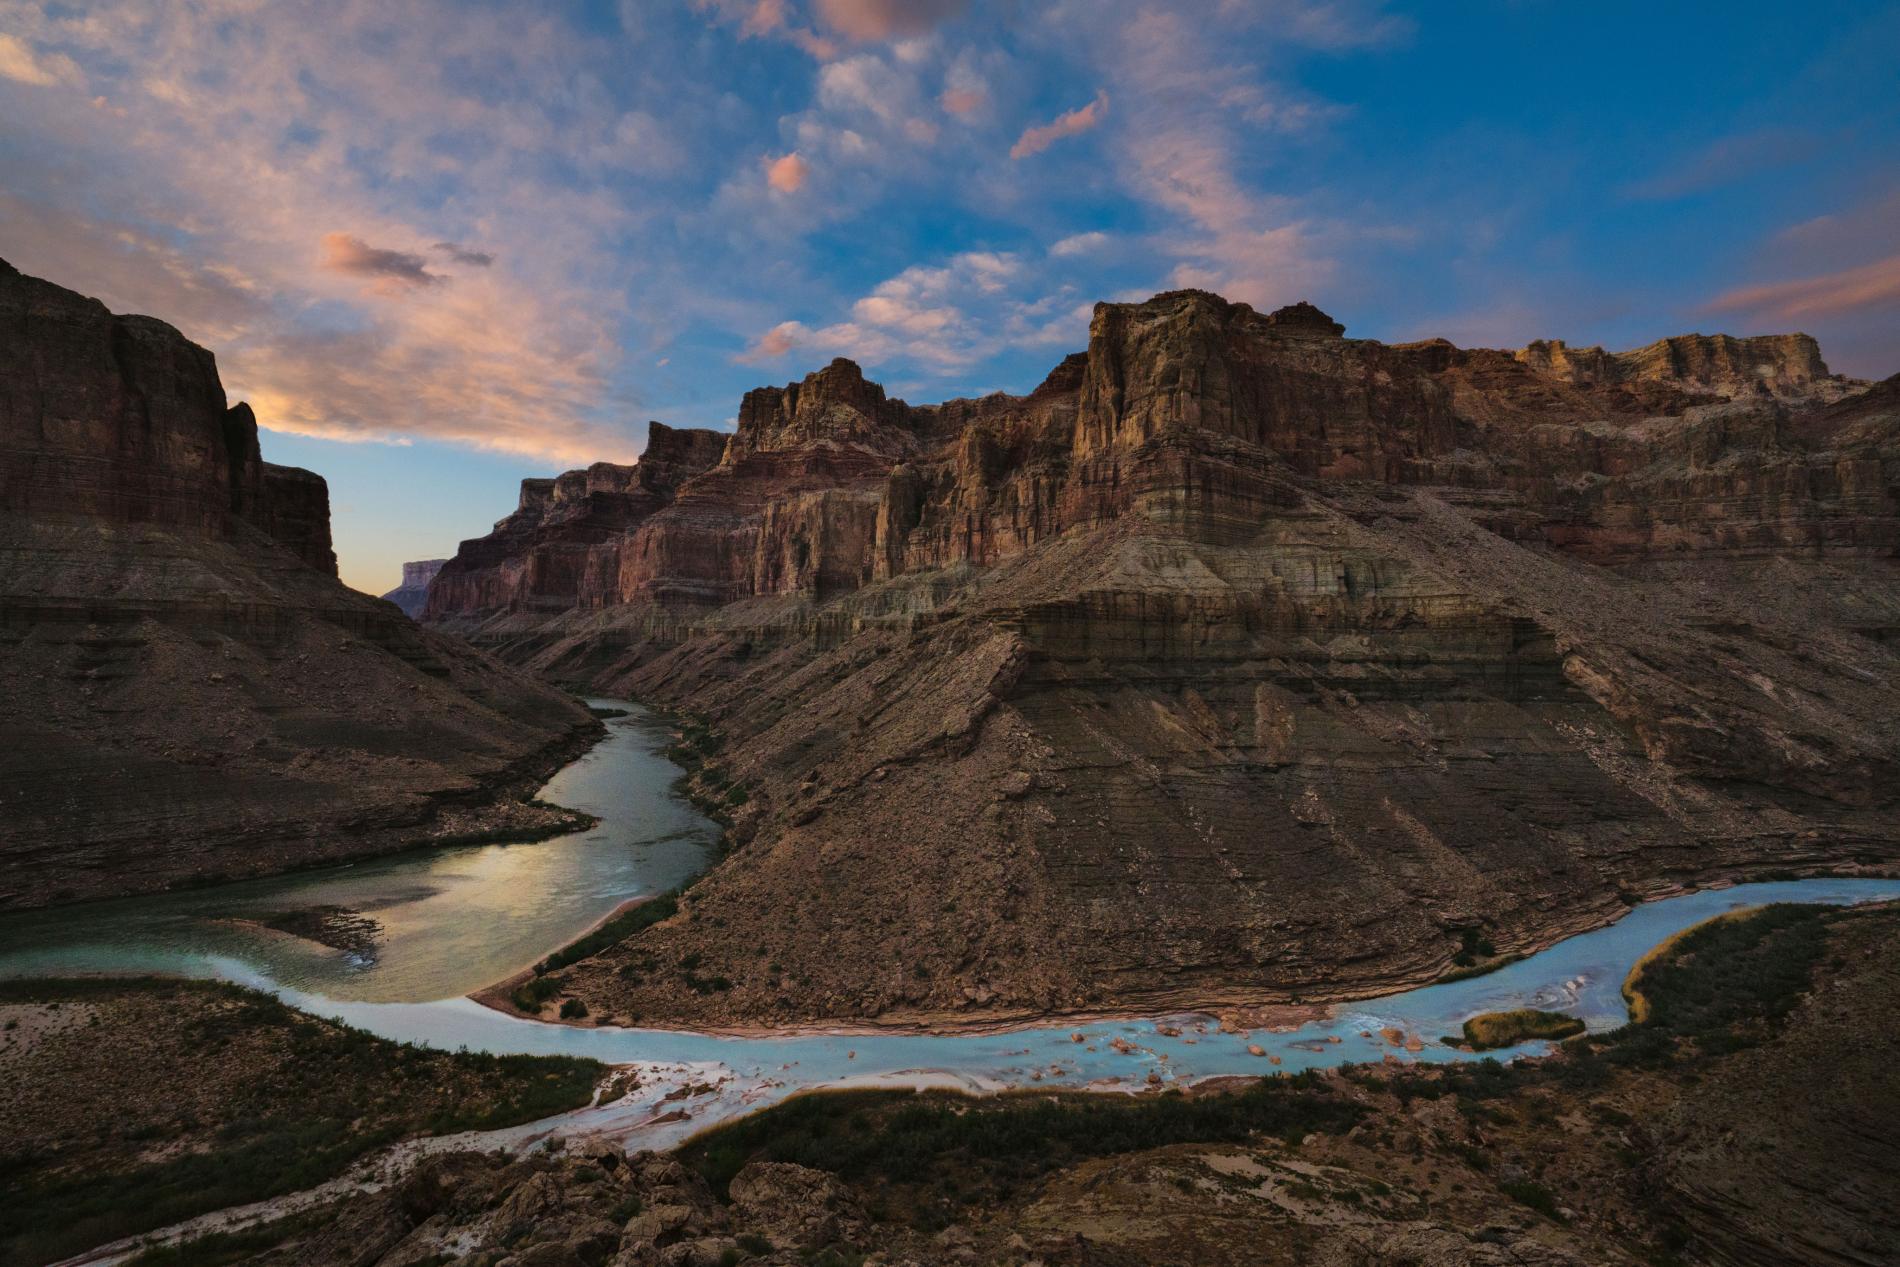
x: 932, y: 1137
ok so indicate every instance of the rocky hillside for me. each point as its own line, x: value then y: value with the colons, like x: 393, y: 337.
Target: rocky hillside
x: 413, y: 594
x: 1242, y: 660
x: 187, y: 690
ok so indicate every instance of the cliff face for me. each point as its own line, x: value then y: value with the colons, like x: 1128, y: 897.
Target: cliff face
x: 1245, y: 660
x: 1781, y: 365
x: 413, y: 594
x: 558, y: 549
x: 186, y: 688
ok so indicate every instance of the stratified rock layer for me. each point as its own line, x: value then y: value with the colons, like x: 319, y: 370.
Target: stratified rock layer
x: 186, y: 690
x: 559, y: 549
x: 1245, y: 660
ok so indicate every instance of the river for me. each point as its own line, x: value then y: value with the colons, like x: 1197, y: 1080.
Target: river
x: 457, y: 919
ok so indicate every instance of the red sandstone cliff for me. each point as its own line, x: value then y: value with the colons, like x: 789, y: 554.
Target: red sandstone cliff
x: 186, y: 690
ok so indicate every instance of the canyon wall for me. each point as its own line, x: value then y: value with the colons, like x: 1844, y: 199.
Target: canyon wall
x: 1242, y: 660
x: 187, y: 690
x: 558, y: 550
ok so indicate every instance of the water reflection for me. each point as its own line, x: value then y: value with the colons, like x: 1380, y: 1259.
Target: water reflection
x: 415, y: 927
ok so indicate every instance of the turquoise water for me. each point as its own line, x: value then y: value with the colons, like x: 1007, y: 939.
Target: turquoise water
x: 458, y: 919
x: 1582, y: 976
x: 452, y: 920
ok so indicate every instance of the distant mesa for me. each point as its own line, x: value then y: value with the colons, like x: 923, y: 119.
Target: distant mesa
x: 413, y: 593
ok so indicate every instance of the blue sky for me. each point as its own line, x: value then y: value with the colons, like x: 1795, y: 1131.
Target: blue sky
x: 442, y: 246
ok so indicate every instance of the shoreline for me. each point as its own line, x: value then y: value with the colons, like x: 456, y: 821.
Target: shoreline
x: 517, y: 783
x: 1284, y: 1013
x: 498, y: 995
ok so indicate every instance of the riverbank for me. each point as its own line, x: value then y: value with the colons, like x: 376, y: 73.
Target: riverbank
x: 1615, y: 1150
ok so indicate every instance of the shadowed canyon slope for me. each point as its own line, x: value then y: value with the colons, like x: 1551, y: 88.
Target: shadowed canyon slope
x: 1240, y: 659
x: 186, y: 689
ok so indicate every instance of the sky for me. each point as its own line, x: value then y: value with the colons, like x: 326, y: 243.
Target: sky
x: 442, y: 246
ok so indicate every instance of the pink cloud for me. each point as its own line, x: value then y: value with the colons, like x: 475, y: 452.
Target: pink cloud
x: 20, y: 63
x: 765, y: 17
x: 1039, y: 138
x: 771, y: 345
x: 867, y: 20
x: 787, y: 174
x: 1825, y: 295
x: 761, y: 19
x: 391, y: 271
x: 963, y: 100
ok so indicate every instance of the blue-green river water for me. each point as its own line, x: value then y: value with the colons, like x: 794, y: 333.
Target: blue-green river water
x: 457, y: 919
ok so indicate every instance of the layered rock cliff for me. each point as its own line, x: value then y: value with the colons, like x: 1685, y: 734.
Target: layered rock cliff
x: 559, y: 549
x: 186, y: 689
x: 413, y: 594
x: 1244, y: 660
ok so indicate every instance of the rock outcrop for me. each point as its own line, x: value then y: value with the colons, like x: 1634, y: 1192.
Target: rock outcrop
x: 413, y: 594
x: 1238, y: 642
x: 559, y: 549
x: 186, y: 688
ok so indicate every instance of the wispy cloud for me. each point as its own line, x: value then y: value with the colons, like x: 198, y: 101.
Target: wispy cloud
x: 1078, y: 244
x: 936, y: 319
x: 20, y: 63
x: 1035, y: 140
x: 276, y: 175
x: 393, y: 271
x: 463, y: 255
x: 1726, y: 161
x: 1872, y: 285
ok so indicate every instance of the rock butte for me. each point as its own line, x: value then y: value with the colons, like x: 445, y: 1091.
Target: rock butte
x: 1240, y: 660
x: 186, y: 690
x: 413, y: 594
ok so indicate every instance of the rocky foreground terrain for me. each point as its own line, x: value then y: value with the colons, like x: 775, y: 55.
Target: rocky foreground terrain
x: 187, y: 692
x: 1239, y: 661
x: 1744, y: 1122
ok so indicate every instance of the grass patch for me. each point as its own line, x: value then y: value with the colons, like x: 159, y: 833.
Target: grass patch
x: 1507, y: 1029
x: 947, y: 1147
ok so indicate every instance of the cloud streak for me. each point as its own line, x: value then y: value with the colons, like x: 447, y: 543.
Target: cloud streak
x: 1035, y: 140
x: 394, y: 271
x: 1873, y: 285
